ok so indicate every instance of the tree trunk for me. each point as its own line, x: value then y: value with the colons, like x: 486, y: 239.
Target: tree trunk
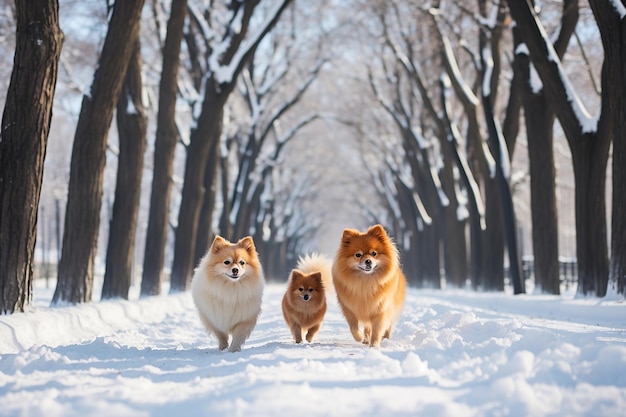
x: 454, y: 241
x: 499, y: 205
x: 539, y: 128
x: 82, y: 216
x: 196, y: 166
x: 164, y: 151
x: 410, y: 258
x: 493, y: 238
x: 471, y: 169
x: 205, y: 222
x: 590, y: 158
x: 613, y: 32
x: 132, y: 124
x: 589, y: 149
x: 225, y: 226
x: 617, y: 96
x: 23, y: 141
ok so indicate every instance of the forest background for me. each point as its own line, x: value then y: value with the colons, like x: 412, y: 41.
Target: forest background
x: 315, y: 116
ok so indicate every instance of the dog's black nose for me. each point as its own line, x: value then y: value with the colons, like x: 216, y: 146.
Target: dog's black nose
x: 235, y: 271
x: 306, y: 297
x: 368, y: 262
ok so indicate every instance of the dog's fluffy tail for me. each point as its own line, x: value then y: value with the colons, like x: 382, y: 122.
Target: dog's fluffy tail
x: 316, y: 262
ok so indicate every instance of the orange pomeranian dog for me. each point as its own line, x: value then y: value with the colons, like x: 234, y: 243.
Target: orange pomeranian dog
x: 369, y: 283
x: 227, y: 289
x: 304, y: 302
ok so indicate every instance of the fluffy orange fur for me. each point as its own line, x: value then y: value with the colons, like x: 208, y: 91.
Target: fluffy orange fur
x: 227, y: 289
x: 304, y: 304
x: 369, y: 283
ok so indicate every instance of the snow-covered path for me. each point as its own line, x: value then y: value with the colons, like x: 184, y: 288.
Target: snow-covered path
x: 454, y: 353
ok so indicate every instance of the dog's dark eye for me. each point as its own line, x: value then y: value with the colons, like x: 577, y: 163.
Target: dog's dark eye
x: 242, y: 262
x: 227, y: 262
x: 311, y: 290
x: 358, y: 255
x: 300, y: 289
x: 373, y: 253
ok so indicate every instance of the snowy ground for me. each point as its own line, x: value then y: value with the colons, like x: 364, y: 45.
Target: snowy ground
x: 454, y: 353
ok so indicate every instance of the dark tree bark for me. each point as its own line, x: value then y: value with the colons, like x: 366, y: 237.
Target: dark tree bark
x: 82, y: 217
x: 193, y: 190
x: 164, y: 152
x: 225, y: 226
x: 475, y: 206
x: 506, y: 201
x: 589, y: 147
x: 430, y: 235
x: 613, y: 33
x: 23, y: 141
x: 411, y: 217
x: 203, y: 138
x: 453, y: 227
x: 132, y: 124
x: 499, y: 207
x: 204, y: 236
x: 539, y: 128
x: 539, y: 118
x: 474, y: 169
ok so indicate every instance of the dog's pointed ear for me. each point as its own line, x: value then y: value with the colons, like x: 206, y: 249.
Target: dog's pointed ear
x: 378, y: 232
x: 218, y: 243
x: 295, y: 275
x: 248, y: 244
x: 348, y: 235
x: 317, y: 276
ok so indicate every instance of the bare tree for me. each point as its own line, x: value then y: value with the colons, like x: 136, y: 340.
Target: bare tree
x: 589, y: 141
x: 490, y: 47
x: 610, y: 17
x: 23, y: 141
x: 164, y: 150
x: 132, y: 124
x: 540, y: 131
x: 268, y: 105
x: 406, y: 81
x: 82, y: 217
x: 226, y: 61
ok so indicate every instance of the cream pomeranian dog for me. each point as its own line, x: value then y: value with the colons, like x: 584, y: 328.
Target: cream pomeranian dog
x: 369, y: 283
x: 227, y: 289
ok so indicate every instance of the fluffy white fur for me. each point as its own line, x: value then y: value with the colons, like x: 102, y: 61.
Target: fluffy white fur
x: 227, y: 305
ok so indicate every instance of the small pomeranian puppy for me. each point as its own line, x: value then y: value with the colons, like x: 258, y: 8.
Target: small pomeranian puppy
x: 369, y: 283
x: 304, y: 302
x: 227, y: 289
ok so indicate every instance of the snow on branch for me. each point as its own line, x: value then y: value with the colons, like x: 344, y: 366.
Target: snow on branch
x: 546, y: 55
x: 252, y: 98
x: 619, y: 8
x: 456, y: 73
x: 295, y: 99
x: 536, y: 85
x: 488, y: 67
x: 297, y: 127
x: 201, y: 23
x: 454, y: 137
x: 225, y: 73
